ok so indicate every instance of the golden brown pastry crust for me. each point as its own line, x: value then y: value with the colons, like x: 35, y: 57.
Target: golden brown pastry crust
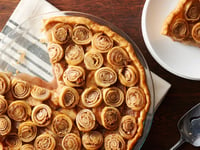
x: 180, y: 13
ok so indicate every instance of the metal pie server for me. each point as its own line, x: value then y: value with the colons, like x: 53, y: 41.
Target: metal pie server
x: 189, y: 128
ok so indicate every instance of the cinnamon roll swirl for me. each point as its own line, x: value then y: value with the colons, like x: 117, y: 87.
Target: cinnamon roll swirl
x: 69, y: 97
x: 110, y: 118
x: 61, y: 125
x: 58, y: 70
x: 192, y: 11
x: 196, y: 32
x: 74, y: 54
x: 128, y: 76
x: 27, y: 147
x: 4, y: 83
x: 12, y: 142
x: 5, y: 125
x: 114, y: 141
x: 113, y: 96
x: 85, y: 120
x: 74, y: 76
x: 135, y: 98
x: 128, y: 127
x: 91, y: 97
x: 179, y: 29
x: 92, y: 140
x: 105, y: 77
x: 81, y: 34
x: 93, y: 60
x: 61, y: 33
x: 101, y: 42
x: 40, y: 93
x: 71, y: 141
x: 41, y: 115
x: 118, y: 57
x: 45, y: 142
x: 27, y: 131
x: 19, y: 110
x: 20, y: 89
x: 3, y: 105
x: 56, y: 52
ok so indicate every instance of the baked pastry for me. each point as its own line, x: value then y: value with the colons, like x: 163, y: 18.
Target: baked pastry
x: 100, y: 101
x: 105, y: 71
x: 182, y: 24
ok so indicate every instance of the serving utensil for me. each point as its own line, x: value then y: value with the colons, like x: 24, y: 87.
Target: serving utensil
x: 189, y: 128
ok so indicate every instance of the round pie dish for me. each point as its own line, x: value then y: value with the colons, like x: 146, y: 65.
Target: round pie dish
x: 24, y: 51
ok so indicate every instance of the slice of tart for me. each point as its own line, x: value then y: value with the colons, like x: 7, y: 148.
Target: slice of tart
x: 182, y: 24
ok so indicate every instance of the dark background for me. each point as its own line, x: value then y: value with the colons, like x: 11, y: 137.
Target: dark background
x: 126, y: 14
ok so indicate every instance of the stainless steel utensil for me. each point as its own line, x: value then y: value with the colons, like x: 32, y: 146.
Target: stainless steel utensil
x: 189, y: 127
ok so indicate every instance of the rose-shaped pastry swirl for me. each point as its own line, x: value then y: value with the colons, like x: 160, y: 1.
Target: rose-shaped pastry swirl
x: 71, y: 141
x: 92, y: 140
x: 27, y: 131
x: 74, y: 54
x: 91, y: 97
x: 196, y: 32
x: 5, y: 125
x: 56, y: 52
x: 192, y: 11
x: 74, y: 76
x: 93, y: 60
x: 114, y: 141
x: 41, y: 115
x: 102, y: 43
x: 40, y: 93
x: 113, y: 96
x: 61, y: 125
x: 3, y: 105
x: 58, y: 70
x: 81, y: 35
x: 135, y: 98
x: 69, y: 97
x: 45, y: 142
x: 179, y: 29
x: 12, y: 142
x: 110, y: 118
x: 128, y: 76
x: 85, y: 120
x: 27, y: 147
x: 20, y: 89
x: 105, y: 77
x: 4, y: 83
x: 118, y: 57
x: 19, y: 110
x: 128, y: 127
x: 61, y: 33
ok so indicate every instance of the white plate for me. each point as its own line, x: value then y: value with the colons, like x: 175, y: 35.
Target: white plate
x: 177, y: 58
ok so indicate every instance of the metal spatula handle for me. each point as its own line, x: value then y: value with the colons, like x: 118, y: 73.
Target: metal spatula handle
x: 179, y: 143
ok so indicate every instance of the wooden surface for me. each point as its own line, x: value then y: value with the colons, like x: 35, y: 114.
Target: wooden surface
x: 126, y: 14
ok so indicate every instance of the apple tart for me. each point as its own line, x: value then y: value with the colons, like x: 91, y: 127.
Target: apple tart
x: 105, y: 77
x: 182, y: 24
x: 99, y: 100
